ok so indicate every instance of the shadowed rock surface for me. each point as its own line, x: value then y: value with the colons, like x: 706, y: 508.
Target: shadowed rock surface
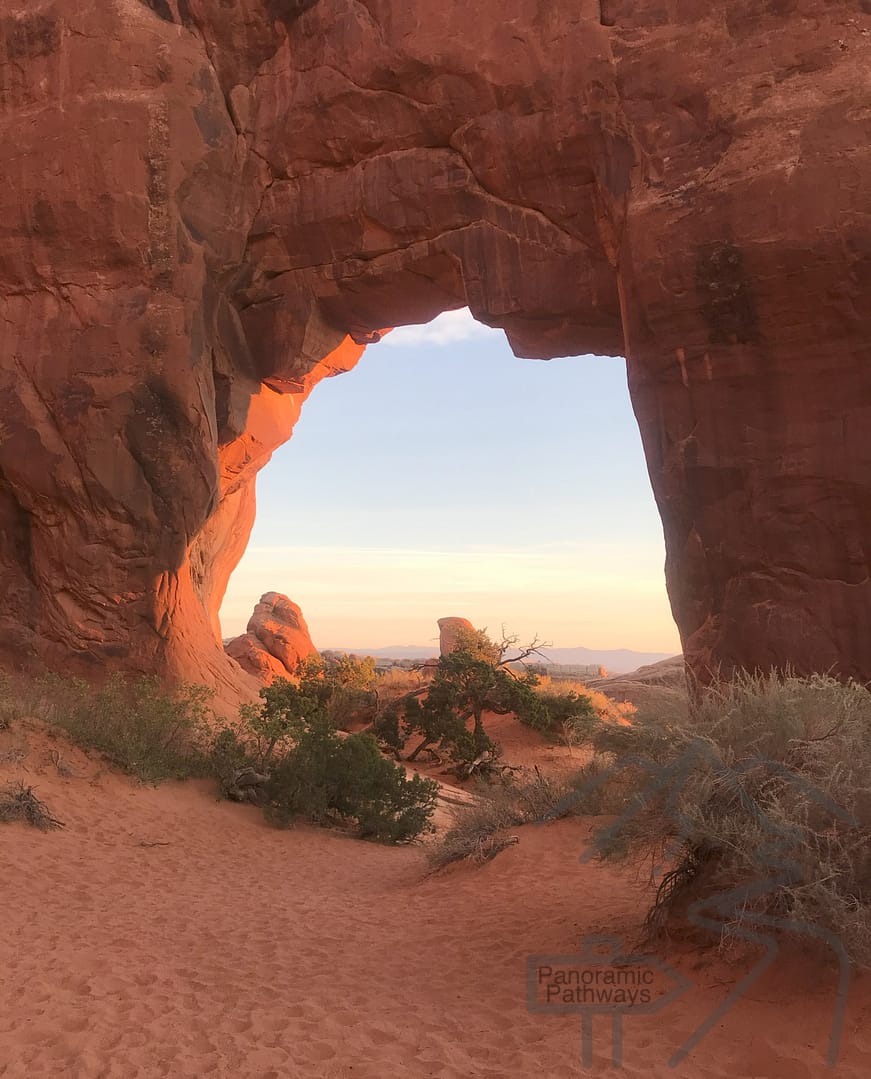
x: 207, y: 206
x: 276, y: 638
x: 659, y: 686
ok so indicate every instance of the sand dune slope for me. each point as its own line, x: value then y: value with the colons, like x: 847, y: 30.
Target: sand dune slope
x: 162, y: 933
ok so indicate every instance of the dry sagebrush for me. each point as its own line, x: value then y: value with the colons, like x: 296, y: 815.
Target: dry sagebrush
x: 481, y: 830
x: 760, y: 806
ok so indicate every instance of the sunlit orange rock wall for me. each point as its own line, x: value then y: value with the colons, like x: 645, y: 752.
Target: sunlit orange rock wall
x: 202, y: 200
x: 275, y: 640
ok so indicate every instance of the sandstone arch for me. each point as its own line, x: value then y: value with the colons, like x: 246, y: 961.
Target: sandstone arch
x: 204, y: 200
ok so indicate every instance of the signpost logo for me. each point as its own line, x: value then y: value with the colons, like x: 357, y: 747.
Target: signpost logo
x: 600, y: 980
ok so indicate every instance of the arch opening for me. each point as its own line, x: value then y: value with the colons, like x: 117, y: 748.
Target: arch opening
x: 444, y: 475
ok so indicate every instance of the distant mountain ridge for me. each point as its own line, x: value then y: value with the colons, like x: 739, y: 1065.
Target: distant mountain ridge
x: 614, y: 660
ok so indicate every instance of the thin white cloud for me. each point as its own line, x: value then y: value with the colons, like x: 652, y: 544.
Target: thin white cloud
x: 447, y: 329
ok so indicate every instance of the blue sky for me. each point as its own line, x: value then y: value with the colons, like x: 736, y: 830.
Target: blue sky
x: 444, y: 476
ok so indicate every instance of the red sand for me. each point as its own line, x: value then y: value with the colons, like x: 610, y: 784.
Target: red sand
x: 163, y: 933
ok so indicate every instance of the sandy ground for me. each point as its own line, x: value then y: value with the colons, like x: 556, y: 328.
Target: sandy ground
x: 163, y: 933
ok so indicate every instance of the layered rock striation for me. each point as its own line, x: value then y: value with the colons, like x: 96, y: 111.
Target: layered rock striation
x: 210, y: 207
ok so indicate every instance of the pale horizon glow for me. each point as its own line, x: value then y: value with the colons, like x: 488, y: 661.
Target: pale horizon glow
x: 409, y: 590
x: 443, y: 476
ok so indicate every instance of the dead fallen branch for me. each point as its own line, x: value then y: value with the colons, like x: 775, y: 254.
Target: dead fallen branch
x: 19, y: 803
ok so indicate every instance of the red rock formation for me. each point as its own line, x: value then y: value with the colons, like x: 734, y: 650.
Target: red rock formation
x: 659, y: 687
x: 275, y: 640
x: 204, y: 200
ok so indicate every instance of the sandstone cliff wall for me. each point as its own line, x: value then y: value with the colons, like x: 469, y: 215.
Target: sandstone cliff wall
x: 205, y: 204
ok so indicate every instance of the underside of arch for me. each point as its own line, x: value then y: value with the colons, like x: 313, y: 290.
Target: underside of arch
x: 212, y: 207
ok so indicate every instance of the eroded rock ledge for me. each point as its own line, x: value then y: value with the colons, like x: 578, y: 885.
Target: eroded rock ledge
x: 206, y: 204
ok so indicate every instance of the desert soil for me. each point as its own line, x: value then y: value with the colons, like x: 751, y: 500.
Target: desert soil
x: 164, y: 933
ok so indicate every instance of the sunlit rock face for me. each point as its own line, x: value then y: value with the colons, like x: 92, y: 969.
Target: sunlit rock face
x: 207, y: 204
x: 276, y: 639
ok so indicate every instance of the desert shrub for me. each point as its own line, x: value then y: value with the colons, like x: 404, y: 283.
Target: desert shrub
x: 397, y: 681
x: 467, y: 843
x: 477, y: 644
x: 761, y: 808
x: 19, y: 803
x: 392, y: 687
x: 441, y: 717
x: 8, y: 705
x: 569, y: 713
x: 263, y: 734
x: 389, y: 729
x: 328, y: 778
x: 447, y: 714
x: 340, y: 685
x: 291, y: 760
x: 20, y: 696
x: 231, y: 750
x: 350, y: 707
x: 541, y: 798
x: 598, y: 789
x: 570, y: 706
x: 466, y: 683
x: 352, y: 696
x: 349, y: 671
x: 481, y: 830
x: 152, y: 732
x: 388, y: 804
x: 478, y: 833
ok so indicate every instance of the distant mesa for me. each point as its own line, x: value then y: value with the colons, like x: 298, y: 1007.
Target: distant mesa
x: 577, y: 662
x: 277, y: 638
x: 615, y: 660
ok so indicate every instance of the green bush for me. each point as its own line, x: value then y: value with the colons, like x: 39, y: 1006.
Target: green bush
x: 560, y: 711
x: 389, y: 729
x: 448, y: 714
x: 342, y: 686
x: 467, y: 684
x: 152, y: 732
x: 230, y: 751
x: 350, y: 672
x: 326, y: 777
x: 309, y: 770
x: 441, y: 717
